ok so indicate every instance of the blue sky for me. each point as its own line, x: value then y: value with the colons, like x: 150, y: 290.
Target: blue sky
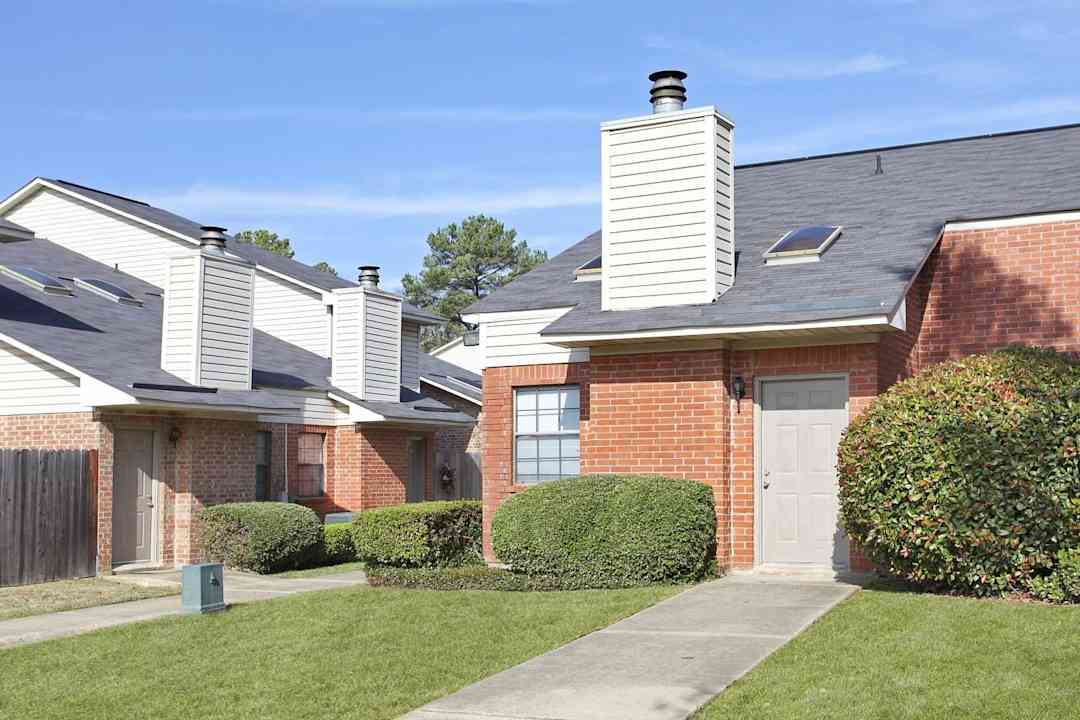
x: 356, y: 127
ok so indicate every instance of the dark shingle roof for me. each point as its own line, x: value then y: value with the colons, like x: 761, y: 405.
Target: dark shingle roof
x: 260, y: 256
x: 121, y: 344
x: 891, y: 223
x: 9, y: 230
x: 437, y: 371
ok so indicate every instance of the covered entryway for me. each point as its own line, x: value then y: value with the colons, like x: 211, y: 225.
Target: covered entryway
x: 801, y: 424
x: 414, y: 488
x: 133, y: 496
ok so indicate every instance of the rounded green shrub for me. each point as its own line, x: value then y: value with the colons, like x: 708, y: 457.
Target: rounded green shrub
x: 967, y: 476
x: 338, y: 544
x: 427, y: 534
x: 609, y: 531
x: 264, y: 537
x: 1062, y: 583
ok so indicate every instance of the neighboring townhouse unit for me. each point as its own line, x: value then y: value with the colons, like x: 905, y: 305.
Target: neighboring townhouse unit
x: 204, y: 370
x: 726, y: 322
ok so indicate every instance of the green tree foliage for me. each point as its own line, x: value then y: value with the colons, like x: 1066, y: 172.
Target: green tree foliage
x: 266, y: 240
x: 465, y: 263
x: 325, y: 267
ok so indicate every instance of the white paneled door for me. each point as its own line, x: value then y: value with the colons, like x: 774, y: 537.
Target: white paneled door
x: 802, y: 421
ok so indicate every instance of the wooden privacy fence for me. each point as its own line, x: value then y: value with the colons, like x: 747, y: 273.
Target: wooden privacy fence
x: 48, y: 515
x: 467, y: 474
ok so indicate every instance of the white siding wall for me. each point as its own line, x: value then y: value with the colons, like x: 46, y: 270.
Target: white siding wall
x: 382, y: 347
x: 468, y: 357
x: 514, y: 339
x: 225, y: 327
x: 410, y: 355
x: 316, y: 408
x: 29, y: 386
x: 180, y: 326
x: 292, y: 313
x: 100, y: 235
x: 347, y: 365
x: 664, y: 200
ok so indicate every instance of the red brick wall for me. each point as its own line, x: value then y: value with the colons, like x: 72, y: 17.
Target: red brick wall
x: 497, y: 424
x: 365, y: 466
x: 989, y: 288
x: 662, y: 413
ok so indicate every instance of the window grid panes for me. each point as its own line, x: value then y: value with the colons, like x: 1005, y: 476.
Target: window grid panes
x: 547, y: 423
x: 310, y: 475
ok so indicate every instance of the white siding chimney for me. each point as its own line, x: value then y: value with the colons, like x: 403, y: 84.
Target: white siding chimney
x: 668, y: 203
x: 207, y: 319
x: 367, y: 340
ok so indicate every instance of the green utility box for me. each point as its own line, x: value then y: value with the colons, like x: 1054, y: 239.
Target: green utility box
x: 202, y: 588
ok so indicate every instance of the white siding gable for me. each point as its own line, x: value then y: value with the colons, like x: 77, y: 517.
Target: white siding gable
x: 29, y: 386
x: 410, y: 355
x: 295, y: 314
x: 100, y: 235
x: 513, y: 338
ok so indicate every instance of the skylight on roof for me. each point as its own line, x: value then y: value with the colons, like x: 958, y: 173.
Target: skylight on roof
x: 803, y: 245
x: 108, y: 290
x: 36, y: 279
x: 590, y: 270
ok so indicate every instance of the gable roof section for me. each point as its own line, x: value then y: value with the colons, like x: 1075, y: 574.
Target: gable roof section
x: 451, y: 378
x: 12, y: 231
x: 891, y: 223
x: 191, y: 230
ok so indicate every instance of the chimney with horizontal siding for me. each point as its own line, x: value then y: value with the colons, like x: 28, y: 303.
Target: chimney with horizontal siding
x: 668, y: 205
x: 208, y: 315
x: 367, y: 347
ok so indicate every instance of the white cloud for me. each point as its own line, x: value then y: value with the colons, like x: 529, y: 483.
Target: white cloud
x: 791, y: 68
x: 223, y: 200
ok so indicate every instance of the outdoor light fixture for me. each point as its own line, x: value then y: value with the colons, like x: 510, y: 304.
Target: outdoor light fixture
x: 174, y: 434
x: 738, y: 387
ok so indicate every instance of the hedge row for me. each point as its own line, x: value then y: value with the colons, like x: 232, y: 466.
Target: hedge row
x: 263, y: 537
x: 609, y: 531
x: 967, y: 476
x: 428, y: 534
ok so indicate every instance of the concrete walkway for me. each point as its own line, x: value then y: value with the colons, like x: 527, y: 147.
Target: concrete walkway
x: 661, y: 664
x: 239, y: 588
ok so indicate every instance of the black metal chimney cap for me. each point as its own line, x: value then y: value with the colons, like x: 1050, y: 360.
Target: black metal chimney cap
x: 212, y: 236
x: 667, y: 93
x: 677, y: 74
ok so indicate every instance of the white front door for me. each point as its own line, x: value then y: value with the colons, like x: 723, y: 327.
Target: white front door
x: 802, y: 421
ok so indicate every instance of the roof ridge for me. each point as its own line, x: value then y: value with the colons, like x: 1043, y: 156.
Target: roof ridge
x: 904, y: 146
x: 100, y: 192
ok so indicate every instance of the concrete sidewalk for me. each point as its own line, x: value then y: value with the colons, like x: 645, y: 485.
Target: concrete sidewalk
x: 239, y: 588
x: 661, y: 664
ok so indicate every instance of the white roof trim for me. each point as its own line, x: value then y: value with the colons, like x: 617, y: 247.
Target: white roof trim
x: 882, y: 320
x: 1013, y: 221
x: 442, y: 348
x: 458, y: 393
x: 357, y: 413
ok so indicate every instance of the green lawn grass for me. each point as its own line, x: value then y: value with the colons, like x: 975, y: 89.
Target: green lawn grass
x: 351, y: 653
x: 50, y: 597
x: 899, y: 655
x: 322, y: 570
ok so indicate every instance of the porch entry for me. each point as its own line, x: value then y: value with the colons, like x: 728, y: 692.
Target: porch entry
x: 414, y: 488
x: 133, y: 496
x: 802, y: 421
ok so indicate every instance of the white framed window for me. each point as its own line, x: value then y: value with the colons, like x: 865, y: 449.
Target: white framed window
x: 547, y: 423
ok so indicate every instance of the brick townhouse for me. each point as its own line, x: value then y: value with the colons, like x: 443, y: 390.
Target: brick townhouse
x: 204, y: 370
x: 727, y: 321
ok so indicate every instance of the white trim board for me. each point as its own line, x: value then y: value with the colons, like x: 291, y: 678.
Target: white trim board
x: 1013, y: 221
x: 457, y: 393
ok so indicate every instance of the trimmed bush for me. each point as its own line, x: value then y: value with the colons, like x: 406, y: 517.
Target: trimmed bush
x: 264, y: 537
x: 967, y: 476
x: 428, y: 534
x: 602, y: 531
x: 1063, y: 583
x: 469, y: 577
x: 338, y: 544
